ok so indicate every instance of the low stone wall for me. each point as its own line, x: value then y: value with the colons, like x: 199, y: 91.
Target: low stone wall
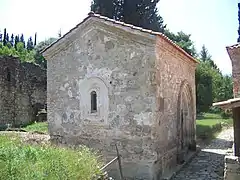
x: 232, y: 168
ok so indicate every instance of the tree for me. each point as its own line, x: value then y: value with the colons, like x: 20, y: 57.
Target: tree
x: 30, y: 44
x: 106, y: 8
x: 225, y: 90
x: 4, y: 37
x: 7, y: 38
x: 22, y: 40
x: 211, y: 84
x: 183, y: 40
x: 1, y: 37
x: 16, y: 41
x: 204, y: 96
x: 39, y: 59
x: 142, y: 13
x: 12, y: 40
x: 35, y: 39
x: 204, y: 55
x: 44, y: 44
x: 238, y: 40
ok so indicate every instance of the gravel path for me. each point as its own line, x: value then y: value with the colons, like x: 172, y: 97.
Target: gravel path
x: 209, y: 163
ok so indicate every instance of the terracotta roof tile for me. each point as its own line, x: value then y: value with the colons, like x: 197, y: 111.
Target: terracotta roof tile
x: 234, y: 46
x: 92, y: 14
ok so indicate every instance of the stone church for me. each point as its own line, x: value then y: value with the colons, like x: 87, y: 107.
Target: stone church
x: 113, y: 83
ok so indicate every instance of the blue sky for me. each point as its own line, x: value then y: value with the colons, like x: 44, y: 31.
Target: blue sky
x: 210, y: 22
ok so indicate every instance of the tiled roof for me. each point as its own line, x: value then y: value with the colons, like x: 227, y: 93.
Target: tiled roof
x: 230, y: 103
x: 92, y: 14
x: 234, y: 46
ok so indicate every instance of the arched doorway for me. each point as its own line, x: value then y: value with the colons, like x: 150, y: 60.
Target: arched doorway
x: 185, y: 121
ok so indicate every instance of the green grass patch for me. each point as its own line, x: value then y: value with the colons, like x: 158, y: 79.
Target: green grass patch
x: 37, y: 127
x: 21, y: 161
x: 209, y: 124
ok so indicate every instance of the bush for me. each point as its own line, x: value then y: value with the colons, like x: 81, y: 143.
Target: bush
x: 226, y: 114
x: 207, y: 132
x: 19, y: 161
x: 37, y: 127
x: 208, y: 124
x: 215, y: 110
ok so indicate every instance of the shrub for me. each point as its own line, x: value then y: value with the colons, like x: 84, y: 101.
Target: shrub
x: 37, y: 127
x: 226, y: 114
x: 207, y: 132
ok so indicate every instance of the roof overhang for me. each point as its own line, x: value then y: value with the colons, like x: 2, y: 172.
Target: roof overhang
x: 229, y: 104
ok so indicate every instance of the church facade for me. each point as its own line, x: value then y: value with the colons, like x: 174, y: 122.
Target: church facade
x: 113, y: 83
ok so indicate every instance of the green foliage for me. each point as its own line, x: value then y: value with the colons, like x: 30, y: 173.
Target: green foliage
x: 204, y: 97
x: 4, y: 37
x: 209, y: 124
x: 43, y: 44
x: 183, y: 40
x: 30, y: 44
x: 204, y: 55
x: 22, y: 40
x: 16, y: 47
x: 37, y: 127
x: 19, y: 161
x: 39, y: 59
x: 211, y: 85
x: 137, y: 12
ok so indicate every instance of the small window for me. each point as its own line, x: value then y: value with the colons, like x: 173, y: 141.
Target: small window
x: 93, y: 102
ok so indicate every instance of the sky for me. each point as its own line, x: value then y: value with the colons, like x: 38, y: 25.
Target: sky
x: 213, y: 23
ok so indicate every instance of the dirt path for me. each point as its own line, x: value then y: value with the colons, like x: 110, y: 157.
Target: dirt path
x: 29, y: 137
x: 209, y: 163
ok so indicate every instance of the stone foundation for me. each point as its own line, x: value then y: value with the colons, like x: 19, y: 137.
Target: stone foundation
x: 232, y: 168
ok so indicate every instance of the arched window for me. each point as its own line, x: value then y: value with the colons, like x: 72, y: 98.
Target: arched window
x: 93, y: 102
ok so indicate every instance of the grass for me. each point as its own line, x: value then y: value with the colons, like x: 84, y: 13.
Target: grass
x: 37, y: 127
x: 209, y: 124
x: 19, y: 161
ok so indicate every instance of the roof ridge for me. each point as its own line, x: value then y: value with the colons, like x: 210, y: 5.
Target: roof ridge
x: 237, y: 45
x: 92, y: 14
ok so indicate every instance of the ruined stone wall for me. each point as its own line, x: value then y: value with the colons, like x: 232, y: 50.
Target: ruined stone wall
x: 22, y: 91
x: 232, y: 168
x: 234, y: 53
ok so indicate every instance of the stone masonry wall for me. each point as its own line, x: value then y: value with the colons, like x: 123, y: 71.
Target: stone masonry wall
x: 234, y: 53
x: 175, y: 78
x: 125, y: 65
x: 122, y: 68
x: 22, y: 91
x: 232, y: 168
